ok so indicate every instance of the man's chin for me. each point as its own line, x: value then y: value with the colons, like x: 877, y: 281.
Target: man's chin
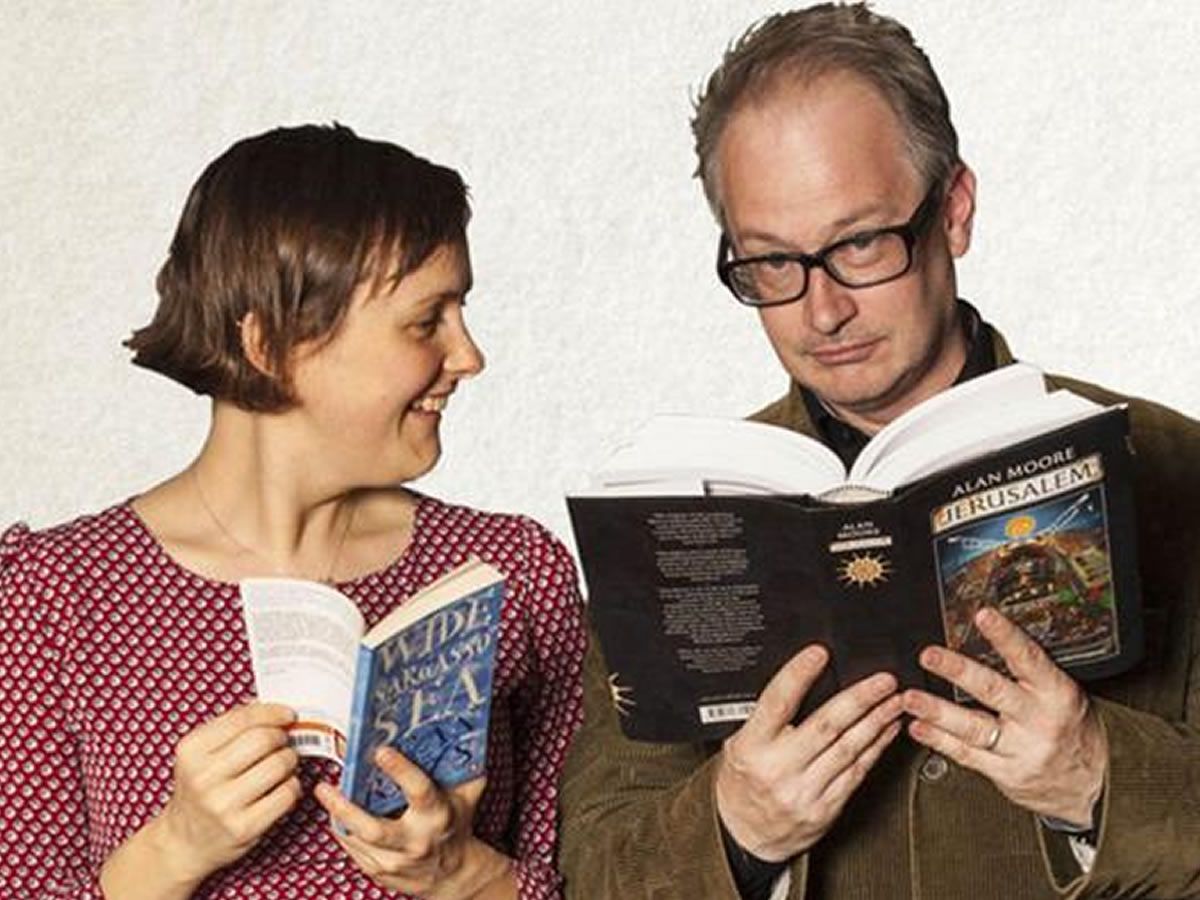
x: 862, y: 398
x: 856, y: 388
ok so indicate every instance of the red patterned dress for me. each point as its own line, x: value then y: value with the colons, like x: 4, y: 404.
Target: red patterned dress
x: 110, y: 652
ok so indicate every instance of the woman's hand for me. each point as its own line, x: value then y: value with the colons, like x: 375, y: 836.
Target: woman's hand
x: 429, y: 849
x: 235, y: 777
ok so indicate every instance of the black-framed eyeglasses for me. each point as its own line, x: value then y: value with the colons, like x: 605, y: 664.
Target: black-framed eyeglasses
x: 861, y: 260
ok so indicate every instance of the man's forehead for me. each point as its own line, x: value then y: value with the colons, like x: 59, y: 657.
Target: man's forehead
x: 821, y: 101
x: 824, y: 153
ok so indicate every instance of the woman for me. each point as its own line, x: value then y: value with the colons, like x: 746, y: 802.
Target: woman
x: 315, y: 291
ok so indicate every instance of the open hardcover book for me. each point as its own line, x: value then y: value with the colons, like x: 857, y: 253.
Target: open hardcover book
x: 419, y: 681
x: 714, y: 549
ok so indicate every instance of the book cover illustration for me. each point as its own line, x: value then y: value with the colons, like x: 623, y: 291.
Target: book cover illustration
x: 1045, y: 564
x: 426, y: 691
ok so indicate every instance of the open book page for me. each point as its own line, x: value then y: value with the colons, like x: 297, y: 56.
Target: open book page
x: 975, y: 434
x: 1011, y: 385
x: 681, y: 486
x: 671, y: 454
x: 727, y: 455
x: 303, y: 646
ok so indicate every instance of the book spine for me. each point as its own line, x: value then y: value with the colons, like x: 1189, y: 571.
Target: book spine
x: 360, y: 702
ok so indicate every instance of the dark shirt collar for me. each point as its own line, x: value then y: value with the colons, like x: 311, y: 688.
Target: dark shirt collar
x: 847, y: 441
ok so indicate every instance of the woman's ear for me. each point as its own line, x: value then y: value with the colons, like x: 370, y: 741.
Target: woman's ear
x: 253, y: 345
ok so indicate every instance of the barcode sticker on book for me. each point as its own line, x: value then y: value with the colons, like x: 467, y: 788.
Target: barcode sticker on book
x: 726, y: 712
x: 313, y: 743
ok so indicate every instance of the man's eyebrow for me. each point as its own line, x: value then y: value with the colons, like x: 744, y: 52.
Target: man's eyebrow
x: 856, y: 217
x: 831, y: 231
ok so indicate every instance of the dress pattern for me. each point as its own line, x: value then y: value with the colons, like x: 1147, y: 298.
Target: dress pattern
x: 110, y: 652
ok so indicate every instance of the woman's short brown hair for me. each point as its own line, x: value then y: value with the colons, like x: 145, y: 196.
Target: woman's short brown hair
x: 286, y: 225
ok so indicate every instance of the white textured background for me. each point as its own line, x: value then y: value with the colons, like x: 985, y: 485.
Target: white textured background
x: 595, y: 299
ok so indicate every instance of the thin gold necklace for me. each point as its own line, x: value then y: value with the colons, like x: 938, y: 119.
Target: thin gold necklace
x: 245, y: 548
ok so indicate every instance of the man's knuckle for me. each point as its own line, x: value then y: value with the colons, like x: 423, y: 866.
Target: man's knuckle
x: 734, y: 756
x: 823, y: 727
x: 992, y: 688
x: 956, y: 751
x: 766, y: 774
x: 842, y: 755
x: 980, y: 731
x: 1032, y: 656
x: 859, y: 769
x: 769, y: 708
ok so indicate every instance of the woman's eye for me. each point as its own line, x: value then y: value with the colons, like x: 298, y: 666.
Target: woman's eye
x: 426, y: 327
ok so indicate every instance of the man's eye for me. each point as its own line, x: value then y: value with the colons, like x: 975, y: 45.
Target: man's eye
x: 861, y: 241
x: 776, y: 262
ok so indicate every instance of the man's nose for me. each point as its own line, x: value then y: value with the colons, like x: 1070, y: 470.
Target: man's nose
x: 829, y: 305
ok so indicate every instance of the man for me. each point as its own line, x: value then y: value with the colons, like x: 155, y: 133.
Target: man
x: 827, y: 153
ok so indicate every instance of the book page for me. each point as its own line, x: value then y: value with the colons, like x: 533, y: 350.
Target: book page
x: 303, y: 645
x: 977, y: 434
x: 667, y: 486
x: 1015, y: 384
x: 726, y: 455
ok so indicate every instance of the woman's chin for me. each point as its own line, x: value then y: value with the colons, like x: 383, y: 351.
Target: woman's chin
x: 416, y: 463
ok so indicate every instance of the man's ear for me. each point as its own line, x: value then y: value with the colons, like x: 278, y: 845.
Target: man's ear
x: 253, y: 345
x: 958, y: 211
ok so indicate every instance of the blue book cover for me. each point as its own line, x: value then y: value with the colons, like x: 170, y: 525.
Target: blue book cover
x: 423, y: 685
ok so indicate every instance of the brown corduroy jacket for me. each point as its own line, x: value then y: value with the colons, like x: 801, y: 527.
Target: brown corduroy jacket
x: 639, y: 820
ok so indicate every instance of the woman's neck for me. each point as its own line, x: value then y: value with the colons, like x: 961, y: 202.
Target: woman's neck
x: 251, y: 505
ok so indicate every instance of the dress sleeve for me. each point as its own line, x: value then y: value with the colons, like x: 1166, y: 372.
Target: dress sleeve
x: 548, y: 709
x: 43, y: 811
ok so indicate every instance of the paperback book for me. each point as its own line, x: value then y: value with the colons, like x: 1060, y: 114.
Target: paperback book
x: 419, y: 681
x: 714, y: 549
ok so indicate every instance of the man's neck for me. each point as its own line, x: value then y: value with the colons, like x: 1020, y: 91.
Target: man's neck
x: 872, y: 420
x: 846, y: 431
x: 917, y: 388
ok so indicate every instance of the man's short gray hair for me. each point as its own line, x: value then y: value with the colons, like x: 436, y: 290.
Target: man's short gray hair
x: 797, y: 48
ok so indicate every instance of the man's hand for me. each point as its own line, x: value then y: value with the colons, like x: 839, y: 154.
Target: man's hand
x: 1048, y: 755
x: 429, y: 850
x: 781, y: 787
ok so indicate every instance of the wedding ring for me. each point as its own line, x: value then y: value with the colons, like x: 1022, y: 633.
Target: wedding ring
x: 993, y: 738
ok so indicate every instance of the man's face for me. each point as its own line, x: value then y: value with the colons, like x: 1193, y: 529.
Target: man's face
x: 805, y: 166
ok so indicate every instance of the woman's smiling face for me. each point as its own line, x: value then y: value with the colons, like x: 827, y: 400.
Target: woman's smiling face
x: 371, y: 398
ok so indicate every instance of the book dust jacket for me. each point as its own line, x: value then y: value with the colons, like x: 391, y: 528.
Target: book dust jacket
x: 426, y: 691
x: 1033, y: 541
x: 699, y: 600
